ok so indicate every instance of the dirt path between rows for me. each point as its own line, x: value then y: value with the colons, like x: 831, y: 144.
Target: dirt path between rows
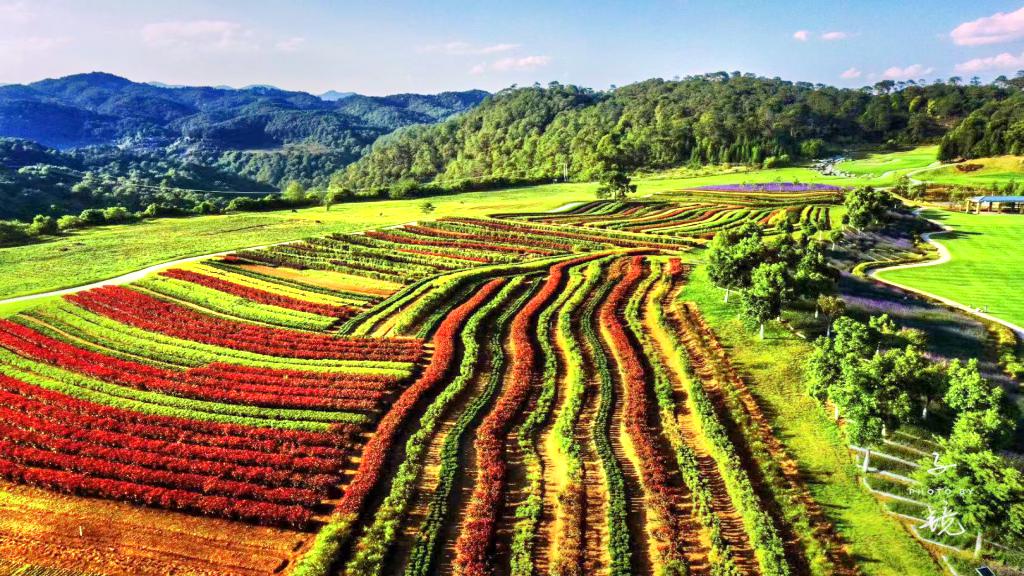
x: 838, y: 553
x: 733, y: 531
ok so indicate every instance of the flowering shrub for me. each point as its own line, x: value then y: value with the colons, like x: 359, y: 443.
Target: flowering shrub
x: 261, y: 296
x: 149, y: 313
x: 473, y: 543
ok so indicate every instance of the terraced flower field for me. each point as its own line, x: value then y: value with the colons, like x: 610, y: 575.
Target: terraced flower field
x: 464, y: 396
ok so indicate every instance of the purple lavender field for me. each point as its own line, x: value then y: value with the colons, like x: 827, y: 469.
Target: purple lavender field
x: 777, y: 187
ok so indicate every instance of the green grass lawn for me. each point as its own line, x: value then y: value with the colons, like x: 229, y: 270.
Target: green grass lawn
x: 997, y: 170
x: 986, y: 266
x: 881, y: 546
x: 109, y: 251
x: 874, y: 166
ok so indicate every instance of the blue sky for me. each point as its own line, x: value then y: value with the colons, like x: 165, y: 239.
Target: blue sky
x: 428, y: 46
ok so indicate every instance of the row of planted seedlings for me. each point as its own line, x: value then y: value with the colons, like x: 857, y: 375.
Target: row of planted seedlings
x: 660, y: 497
x: 423, y: 559
x: 339, y: 530
x: 760, y: 526
x: 654, y: 323
x: 779, y: 474
x: 373, y: 545
x: 620, y: 541
x: 568, y: 542
x: 238, y: 271
x: 474, y: 544
x: 528, y: 512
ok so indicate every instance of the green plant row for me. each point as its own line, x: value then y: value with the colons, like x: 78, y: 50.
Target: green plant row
x: 234, y: 306
x: 570, y: 500
x: 371, y: 549
x: 167, y: 349
x: 618, y: 530
x: 424, y: 553
x: 441, y: 288
x: 365, y: 323
x: 721, y: 557
x: 528, y: 513
x: 293, y: 284
x: 759, y: 525
x: 788, y: 502
x: 84, y: 388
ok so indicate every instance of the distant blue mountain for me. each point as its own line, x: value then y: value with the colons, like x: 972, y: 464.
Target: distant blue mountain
x: 334, y: 95
x: 99, y: 108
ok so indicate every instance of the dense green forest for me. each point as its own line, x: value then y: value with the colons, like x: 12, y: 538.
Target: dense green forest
x: 538, y: 133
x: 994, y: 129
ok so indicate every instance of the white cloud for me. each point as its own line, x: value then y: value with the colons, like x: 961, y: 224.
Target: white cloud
x: 15, y: 13
x: 801, y: 35
x: 512, y: 64
x: 995, y: 29
x: 835, y: 35
x: 912, y: 71
x: 15, y: 51
x: 851, y: 73
x: 218, y: 35
x: 459, y: 48
x: 1004, y: 61
x: 290, y: 44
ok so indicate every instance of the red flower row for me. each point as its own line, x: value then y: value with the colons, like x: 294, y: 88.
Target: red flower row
x: 551, y: 231
x: 77, y: 483
x: 293, y: 442
x: 28, y: 414
x: 36, y: 346
x: 503, y: 243
x: 148, y: 313
x: 261, y: 296
x: 474, y: 542
x: 379, y: 446
x: 201, y: 475
x: 477, y: 259
x: 438, y: 238
x: 654, y: 469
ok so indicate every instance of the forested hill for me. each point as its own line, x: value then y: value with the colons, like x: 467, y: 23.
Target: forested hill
x: 98, y: 108
x: 535, y: 133
x: 97, y: 140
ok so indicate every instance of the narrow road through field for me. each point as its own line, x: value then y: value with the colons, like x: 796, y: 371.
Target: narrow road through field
x: 944, y: 257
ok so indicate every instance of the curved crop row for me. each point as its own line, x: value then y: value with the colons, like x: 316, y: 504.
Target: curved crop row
x: 568, y: 540
x: 474, y: 543
x: 148, y: 313
x: 422, y: 558
x: 528, y: 512
x: 319, y: 559
x: 378, y: 537
x: 653, y: 471
x: 258, y: 295
x: 760, y: 527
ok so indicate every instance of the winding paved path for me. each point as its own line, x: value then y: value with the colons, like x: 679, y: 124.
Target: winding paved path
x: 944, y: 256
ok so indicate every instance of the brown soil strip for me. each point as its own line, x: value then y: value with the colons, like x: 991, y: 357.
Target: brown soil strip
x: 824, y: 531
x: 92, y: 535
x: 625, y: 454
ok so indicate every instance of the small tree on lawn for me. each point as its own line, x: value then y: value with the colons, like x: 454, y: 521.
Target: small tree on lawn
x: 427, y: 207
x: 867, y: 207
x: 615, y: 185
x: 732, y: 256
x: 832, y: 307
x: 769, y: 290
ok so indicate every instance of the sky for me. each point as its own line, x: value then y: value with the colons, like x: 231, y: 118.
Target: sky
x: 384, y: 47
